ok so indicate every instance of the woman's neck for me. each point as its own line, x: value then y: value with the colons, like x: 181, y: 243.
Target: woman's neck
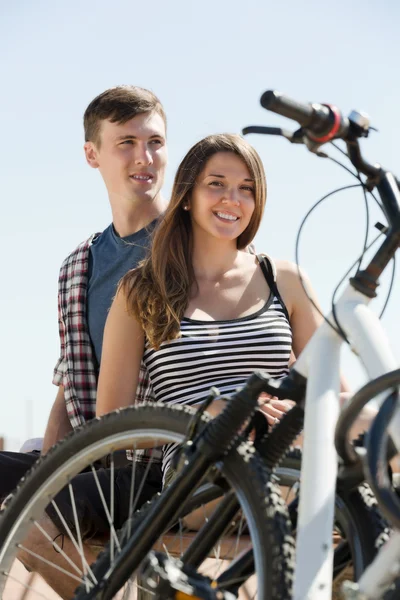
x: 213, y: 258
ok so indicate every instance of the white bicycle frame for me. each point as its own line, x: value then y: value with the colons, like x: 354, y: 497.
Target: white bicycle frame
x: 320, y: 364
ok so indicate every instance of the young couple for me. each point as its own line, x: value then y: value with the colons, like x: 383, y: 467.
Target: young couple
x: 196, y: 310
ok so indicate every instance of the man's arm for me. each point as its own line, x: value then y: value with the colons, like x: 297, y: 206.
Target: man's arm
x: 58, y: 425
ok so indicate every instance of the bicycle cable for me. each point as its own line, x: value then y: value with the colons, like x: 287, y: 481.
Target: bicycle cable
x: 337, y: 327
x: 367, y: 224
x: 366, y: 238
x: 366, y: 247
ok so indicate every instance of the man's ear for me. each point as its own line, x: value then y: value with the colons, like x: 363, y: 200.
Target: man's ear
x: 91, y: 155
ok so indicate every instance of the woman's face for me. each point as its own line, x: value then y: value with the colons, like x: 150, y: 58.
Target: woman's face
x: 222, y: 200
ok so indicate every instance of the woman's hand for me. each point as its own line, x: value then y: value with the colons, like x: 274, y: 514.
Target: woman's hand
x: 273, y: 408
x: 215, y: 408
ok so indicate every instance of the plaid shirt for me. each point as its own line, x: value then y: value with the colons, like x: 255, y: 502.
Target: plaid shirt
x: 77, y: 368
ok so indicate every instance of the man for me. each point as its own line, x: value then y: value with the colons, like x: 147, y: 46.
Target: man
x: 125, y: 130
x: 125, y: 139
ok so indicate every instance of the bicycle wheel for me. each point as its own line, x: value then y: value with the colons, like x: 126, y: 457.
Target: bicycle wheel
x: 261, y: 521
x: 359, y: 528
x: 358, y: 531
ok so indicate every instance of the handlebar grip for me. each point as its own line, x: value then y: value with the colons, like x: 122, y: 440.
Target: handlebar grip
x: 322, y: 122
x: 282, y: 105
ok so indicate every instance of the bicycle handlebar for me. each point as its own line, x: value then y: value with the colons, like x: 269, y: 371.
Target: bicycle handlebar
x: 323, y: 122
x: 277, y: 102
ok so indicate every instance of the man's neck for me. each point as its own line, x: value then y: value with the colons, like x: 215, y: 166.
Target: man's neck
x: 129, y: 220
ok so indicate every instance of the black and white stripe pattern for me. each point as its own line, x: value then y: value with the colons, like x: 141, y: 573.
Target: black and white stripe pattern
x: 221, y: 354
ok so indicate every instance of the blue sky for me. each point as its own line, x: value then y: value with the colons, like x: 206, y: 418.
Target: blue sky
x: 208, y: 62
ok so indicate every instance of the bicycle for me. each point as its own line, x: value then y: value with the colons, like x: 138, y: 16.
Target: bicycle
x: 357, y: 517
x: 321, y: 124
x: 240, y: 470
x: 162, y: 512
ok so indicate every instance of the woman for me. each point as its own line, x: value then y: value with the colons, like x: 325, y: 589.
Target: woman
x: 202, y: 311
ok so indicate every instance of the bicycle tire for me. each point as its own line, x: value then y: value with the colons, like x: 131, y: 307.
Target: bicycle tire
x: 362, y: 527
x: 266, y: 512
x: 356, y: 514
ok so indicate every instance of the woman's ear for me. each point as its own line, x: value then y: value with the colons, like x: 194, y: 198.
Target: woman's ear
x: 186, y: 203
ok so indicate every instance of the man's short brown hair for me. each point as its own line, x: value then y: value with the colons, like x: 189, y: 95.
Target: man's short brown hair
x: 119, y: 104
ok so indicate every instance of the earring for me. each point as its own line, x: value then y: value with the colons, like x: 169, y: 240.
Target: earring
x: 185, y: 207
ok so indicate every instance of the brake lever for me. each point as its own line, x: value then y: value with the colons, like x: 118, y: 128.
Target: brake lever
x: 292, y: 136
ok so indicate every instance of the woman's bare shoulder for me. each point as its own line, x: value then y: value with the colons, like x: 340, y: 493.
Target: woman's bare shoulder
x: 287, y: 270
x: 290, y: 280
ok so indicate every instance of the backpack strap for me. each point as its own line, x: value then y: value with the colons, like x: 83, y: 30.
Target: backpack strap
x: 269, y: 270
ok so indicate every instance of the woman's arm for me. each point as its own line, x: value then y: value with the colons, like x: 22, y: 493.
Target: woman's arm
x: 122, y: 352
x: 304, y: 316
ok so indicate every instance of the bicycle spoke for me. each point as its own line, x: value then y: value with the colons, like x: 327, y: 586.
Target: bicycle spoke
x: 148, y: 466
x: 58, y: 548
x: 240, y: 531
x: 112, y: 504
x: 51, y: 564
x: 131, y: 490
x: 78, y: 531
x: 73, y: 540
x: 27, y: 587
x: 113, y: 533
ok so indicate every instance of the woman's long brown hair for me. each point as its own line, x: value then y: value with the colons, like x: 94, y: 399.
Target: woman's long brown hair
x: 158, y: 291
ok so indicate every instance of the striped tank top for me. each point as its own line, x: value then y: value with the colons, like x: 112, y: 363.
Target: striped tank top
x: 222, y: 354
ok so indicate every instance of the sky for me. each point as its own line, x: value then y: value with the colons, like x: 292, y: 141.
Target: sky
x: 209, y: 63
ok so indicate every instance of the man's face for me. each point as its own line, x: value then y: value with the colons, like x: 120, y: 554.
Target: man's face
x: 131, y: 157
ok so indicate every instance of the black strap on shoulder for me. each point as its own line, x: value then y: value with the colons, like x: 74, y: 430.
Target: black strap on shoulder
x: 268, y: 271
